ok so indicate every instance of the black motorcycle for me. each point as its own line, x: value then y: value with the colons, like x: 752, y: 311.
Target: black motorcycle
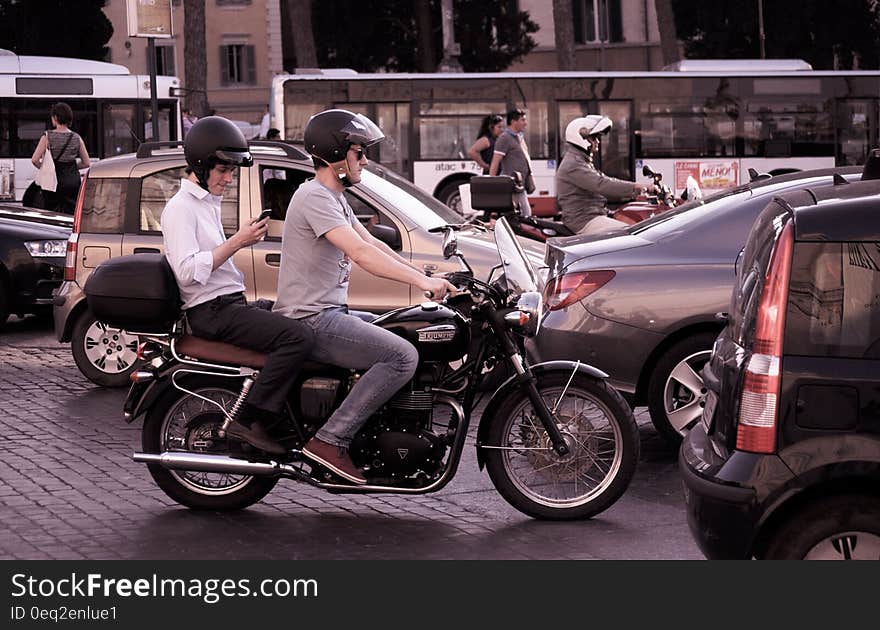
x: 558, y: 441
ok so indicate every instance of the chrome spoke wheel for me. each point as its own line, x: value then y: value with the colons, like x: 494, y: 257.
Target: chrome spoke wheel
x: 561, y: 481
x: 192, y: 425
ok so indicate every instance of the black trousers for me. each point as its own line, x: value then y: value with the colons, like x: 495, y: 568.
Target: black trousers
x: 287, y: 342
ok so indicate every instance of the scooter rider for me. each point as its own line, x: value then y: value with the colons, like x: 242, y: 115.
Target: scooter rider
x: 212, y: 288
x: 321, y: 239
x: 582, y: 190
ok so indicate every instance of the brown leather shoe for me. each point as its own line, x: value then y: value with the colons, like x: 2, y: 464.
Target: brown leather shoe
x: 256, y: 436
x: 335, y: 458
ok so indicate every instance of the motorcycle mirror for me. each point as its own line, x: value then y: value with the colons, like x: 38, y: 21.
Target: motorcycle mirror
x: 647, y: 171
x: 450, y: 244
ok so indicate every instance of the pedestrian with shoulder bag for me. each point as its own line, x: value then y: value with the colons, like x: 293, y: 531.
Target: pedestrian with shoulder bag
x: 56, y: 157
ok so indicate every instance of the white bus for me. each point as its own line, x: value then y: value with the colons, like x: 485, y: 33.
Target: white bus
x: 111, y: 110
x: 711, y: 119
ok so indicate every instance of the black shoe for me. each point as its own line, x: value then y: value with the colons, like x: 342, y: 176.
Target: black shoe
x: 256, y: 436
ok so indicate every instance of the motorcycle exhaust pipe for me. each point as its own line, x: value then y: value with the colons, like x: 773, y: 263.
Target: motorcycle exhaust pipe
x: 204, y: 462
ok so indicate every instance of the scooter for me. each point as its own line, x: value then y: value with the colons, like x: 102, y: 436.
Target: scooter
x: 662, y: 200
x: 505, y: 196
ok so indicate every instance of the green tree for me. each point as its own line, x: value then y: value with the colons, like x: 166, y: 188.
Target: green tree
x: 55, y: 28
x: 373, y: 35
x: 841, y: 35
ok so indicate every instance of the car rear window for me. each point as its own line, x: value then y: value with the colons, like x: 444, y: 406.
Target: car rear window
x: 834, y: 300
x: 157, y: 189
x: 103, y: 210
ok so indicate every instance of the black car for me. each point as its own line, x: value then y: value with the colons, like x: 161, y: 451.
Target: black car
x: 33, y: 244
x: 785, y: 462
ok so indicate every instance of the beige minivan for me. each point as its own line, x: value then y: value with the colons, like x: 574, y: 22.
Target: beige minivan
x: 120, y: 206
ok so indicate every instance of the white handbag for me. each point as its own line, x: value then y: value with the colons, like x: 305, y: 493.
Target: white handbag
x: 46, y: 177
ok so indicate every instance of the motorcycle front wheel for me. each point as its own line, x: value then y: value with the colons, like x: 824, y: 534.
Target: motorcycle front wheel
x: 181, y: 422
x: 603, y: 440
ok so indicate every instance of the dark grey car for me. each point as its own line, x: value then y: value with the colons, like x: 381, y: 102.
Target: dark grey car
x: 644, y: 306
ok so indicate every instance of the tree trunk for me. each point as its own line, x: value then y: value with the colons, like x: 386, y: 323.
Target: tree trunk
x: 425, y: 36
x: 300, y: 15
x: 563, y: 21
x: 195, y: 65
x: 666, y: 26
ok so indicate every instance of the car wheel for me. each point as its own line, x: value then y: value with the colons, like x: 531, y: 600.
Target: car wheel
x: 451, y: 196
x: 845, y: 527
x: 676, y: 395
x: 4, y: 304
x: 106, y: 356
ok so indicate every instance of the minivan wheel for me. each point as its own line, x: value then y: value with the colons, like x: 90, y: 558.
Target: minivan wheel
x: 106, y: 356
x: 676, y: 394
x: 845, y: 527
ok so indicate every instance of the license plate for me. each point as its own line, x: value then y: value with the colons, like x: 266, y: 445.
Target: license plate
x: 709, y: 409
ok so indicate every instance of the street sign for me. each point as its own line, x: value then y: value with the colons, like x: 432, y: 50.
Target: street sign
x: 149, y: 18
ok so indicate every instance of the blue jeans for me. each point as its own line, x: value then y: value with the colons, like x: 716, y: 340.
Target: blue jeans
x: 348, y: 340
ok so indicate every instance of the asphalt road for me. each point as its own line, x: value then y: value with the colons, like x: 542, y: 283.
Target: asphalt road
x: 69, y: 490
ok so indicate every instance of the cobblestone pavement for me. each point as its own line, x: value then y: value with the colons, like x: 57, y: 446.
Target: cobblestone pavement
x: 69, y: 490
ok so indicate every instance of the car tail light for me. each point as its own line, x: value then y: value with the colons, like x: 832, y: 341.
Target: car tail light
x: 73, y: 239
x: 758, y: 409
x: 569, y: 288
x: 77, y: 215
x: 70, y: 257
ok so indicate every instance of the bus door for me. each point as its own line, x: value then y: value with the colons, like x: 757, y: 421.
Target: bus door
x: 857, y: 130
x: 616, y: 154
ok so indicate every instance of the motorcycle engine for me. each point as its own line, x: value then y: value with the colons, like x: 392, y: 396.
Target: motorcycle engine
x: 397, y: 442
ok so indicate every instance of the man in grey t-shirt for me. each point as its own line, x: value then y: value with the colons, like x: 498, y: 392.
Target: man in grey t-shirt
x: 511, y: 152
x: 321, y: 240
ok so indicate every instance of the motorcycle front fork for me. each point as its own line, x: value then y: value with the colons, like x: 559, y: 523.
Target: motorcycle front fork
x: 529, y: 383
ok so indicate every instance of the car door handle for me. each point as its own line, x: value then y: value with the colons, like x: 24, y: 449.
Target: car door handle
x: 273, y: 260
x: 146, y: 250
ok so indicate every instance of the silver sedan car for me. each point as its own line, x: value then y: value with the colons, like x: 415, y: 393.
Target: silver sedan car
x: 646, y: 305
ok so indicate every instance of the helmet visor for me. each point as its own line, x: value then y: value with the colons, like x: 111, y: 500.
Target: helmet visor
x: 236, y: 157
x: 363, y: 131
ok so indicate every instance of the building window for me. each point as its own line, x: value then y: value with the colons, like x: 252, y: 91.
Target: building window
x: 165, y: 60
x: 237, y: 65
x: 597, y: 21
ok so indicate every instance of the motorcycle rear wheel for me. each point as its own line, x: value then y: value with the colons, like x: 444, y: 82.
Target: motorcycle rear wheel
x: 179, y: 421
x: 602, y: 436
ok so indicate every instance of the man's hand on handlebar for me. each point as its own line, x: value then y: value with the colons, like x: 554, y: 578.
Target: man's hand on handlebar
x: 437, y: 288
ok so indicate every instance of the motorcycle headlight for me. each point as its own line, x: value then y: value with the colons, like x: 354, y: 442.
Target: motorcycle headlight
x: 46, y: 249
x: 526, y: 319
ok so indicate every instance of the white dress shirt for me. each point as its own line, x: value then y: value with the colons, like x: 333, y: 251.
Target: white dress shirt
x: 191, y: 229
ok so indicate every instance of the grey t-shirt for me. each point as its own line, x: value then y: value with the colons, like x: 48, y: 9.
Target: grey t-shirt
x: 314, y: 273
x: 516, y: 158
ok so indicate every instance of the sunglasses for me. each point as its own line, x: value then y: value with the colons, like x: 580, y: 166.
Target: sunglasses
x: 358, y: 153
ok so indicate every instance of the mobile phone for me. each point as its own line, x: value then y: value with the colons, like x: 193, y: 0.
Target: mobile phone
x: 265, y: 214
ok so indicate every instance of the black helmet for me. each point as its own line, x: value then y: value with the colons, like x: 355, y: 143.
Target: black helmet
x: 329, y: 135
x: 214, y: 140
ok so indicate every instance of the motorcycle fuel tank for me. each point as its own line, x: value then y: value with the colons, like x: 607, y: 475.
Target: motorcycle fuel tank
x: 438, y: 332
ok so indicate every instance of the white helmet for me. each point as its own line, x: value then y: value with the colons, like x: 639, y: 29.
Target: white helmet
x: 579, y: 129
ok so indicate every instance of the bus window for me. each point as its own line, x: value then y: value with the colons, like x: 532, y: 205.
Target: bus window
x: 448, y: 129
x: 164, y: 122
x: 296, y: 115
x: 393, y: 120
x: 538, y: 131
x: 789, y: 129
x: 119, y: 133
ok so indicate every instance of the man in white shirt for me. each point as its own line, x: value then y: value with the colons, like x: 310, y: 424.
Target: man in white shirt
x: 212, y: 288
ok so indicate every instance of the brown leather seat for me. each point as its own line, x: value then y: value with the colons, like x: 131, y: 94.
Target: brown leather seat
x: 219, y: 352
x: 227, y: 354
